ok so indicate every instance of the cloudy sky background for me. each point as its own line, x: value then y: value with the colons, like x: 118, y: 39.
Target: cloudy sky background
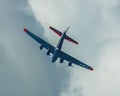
x: 26, y: 71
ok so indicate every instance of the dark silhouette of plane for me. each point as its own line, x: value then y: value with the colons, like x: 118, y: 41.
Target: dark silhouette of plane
x: 56, y: 51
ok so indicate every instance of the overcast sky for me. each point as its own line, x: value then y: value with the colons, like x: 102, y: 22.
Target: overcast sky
x: 27, y: 71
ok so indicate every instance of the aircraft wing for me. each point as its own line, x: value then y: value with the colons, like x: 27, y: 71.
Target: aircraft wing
x: 45, y: 44
x: 71, y: 59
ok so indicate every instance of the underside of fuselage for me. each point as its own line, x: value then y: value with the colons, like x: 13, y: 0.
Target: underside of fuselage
x: 55, y: 55
x: 59, y: 46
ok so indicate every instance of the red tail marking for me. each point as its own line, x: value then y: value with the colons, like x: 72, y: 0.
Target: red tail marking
x: 60, y: 34
x: 71, y: 40
x: 56, y: 31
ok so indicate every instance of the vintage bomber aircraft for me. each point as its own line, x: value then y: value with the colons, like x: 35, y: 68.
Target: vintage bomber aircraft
x: 56, y: 51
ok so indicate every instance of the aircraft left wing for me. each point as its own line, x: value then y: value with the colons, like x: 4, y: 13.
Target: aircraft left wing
x: 71, y: 59
x: 40, y: 41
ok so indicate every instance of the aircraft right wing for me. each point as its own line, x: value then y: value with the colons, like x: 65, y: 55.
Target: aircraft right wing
x: 43, y: 43
x: 71, y: 60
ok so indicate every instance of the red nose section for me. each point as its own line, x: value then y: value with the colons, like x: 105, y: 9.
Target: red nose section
x: 25, y: 30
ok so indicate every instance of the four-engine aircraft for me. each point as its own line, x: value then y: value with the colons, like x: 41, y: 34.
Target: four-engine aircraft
x: 56, y: 51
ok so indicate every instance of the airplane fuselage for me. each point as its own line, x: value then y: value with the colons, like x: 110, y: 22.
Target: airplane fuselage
x: 59, y: 46
x: 55, y: 55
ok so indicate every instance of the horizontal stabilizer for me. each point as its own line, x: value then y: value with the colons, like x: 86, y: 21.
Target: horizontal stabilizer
x: 71, y: 40
x: 60, y: 34
x: 56, y: 31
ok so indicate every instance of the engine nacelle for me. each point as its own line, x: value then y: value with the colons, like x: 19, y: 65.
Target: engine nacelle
x: 41, y: 47
x: 69, y: 64
x: 61, y: 60
x: 48, y: 52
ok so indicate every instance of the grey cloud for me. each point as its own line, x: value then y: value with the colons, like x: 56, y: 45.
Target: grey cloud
x: 95, y: 22
x: 25, y: 71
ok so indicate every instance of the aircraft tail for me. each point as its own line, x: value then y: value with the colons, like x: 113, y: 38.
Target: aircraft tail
x: 60, y: 34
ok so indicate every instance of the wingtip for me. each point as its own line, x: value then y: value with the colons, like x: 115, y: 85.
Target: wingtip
x: 25, y: 30
x: 91, y: 69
